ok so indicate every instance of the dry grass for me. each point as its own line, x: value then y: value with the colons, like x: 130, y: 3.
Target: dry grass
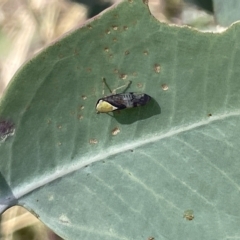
x: 27, y: 26
x: 19, y: 224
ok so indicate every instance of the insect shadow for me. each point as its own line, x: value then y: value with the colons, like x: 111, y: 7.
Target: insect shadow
x: 131, y: 115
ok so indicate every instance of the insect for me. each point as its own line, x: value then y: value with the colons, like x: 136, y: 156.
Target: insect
x: 121, y: 101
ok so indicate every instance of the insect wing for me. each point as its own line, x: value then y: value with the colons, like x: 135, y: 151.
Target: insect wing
x: 127, y: 100
x: 117, y: 100
x: 140, y: 99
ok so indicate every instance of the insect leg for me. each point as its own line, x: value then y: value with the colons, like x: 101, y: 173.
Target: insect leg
x: 114, y: 91
x: 125, y: 85
x: 105, y: 83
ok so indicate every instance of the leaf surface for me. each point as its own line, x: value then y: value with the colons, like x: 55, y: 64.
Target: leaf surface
x: 140, y: 172
x: 226, y: 12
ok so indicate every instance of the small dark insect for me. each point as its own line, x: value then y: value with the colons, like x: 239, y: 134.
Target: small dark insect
x: 121, y: 101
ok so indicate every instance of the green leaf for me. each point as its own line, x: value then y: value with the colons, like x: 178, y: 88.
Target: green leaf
x: 168, y: 170
x: 226, y: 12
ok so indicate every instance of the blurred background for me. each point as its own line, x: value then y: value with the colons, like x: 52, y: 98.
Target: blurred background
x: 28, y: 26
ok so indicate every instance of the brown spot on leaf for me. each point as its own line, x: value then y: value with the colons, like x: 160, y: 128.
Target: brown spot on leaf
x: 157, y: 68
x: 115, y: 131
x: 145, y: 52
x: 93, y: 141
x: 188, y: 214
x: 123, y: 76
x: 164, y: 87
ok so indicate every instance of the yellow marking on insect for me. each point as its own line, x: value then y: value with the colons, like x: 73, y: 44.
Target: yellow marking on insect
x: 104, y: 107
